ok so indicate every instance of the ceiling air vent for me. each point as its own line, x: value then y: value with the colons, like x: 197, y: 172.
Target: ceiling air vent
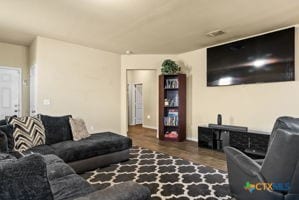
x: 215, y: 33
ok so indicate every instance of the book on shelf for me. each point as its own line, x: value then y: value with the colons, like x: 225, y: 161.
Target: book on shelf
x: 171, y: 83
x: 174, y: 101
x: 172, y: 118
x: 171, y: 134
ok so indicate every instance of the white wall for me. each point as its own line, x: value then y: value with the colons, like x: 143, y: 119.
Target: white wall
x: 149, y: 81
x: 129, y: 62
x: 254, y: 105
x: 78, y: 80
x: 17, y: 56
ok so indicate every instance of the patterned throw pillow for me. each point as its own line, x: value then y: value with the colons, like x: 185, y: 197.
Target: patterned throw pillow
x: 79, y: 129
x: 28, y: 132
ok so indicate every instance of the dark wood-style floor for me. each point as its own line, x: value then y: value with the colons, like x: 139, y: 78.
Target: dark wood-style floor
x: 187, y: 150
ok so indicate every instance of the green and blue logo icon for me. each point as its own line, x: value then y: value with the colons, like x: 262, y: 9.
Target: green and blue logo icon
x: 263, y: 186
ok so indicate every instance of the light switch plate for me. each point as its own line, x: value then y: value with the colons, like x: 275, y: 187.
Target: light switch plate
x: 46, y: 102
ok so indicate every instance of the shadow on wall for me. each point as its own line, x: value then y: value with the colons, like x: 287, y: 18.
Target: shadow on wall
x: 187, y: 70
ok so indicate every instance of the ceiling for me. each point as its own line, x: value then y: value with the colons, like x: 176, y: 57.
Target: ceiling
x: 142, y: 26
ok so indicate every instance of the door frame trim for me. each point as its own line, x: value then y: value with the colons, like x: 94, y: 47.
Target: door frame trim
x: 19, y: 69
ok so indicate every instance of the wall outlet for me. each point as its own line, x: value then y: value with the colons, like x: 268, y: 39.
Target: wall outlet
x: 148, y: 117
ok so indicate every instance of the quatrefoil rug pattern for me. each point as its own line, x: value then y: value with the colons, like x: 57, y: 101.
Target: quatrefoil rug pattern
x: 166, y: 176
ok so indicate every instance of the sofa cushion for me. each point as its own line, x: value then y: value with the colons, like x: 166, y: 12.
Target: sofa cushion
x: 70, y: 187
x: 127, y: 190
x: 79, y: 130
x: 56, y: 167
x: 8, y: 130
x: 57, y: 128
x: 25, y: 178
x: 96, y: 144
x: 5, y: 156
x: 41, y: 149
x: 28, y: 132
x: 3, y: 143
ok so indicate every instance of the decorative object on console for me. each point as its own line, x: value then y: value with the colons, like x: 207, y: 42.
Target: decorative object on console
x: 172, y: 107
x: 219, y: 119
x: 79, y: 130
x: 169, y: 67
x: 28, y: 132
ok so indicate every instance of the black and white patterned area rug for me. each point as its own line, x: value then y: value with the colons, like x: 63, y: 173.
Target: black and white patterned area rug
x: 166, y: 176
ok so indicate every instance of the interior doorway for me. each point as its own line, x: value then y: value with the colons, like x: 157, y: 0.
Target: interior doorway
x: 135, y: 104
x: 142, y: 100
x: 10, y: 91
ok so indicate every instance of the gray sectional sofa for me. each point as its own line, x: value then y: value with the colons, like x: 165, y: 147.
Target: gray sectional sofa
x: 64, y: 158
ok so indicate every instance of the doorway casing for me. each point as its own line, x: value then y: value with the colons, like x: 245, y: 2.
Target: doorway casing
x: 124, y: 103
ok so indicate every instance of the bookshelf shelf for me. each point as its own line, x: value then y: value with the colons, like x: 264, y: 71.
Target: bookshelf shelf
x: 172, y: 107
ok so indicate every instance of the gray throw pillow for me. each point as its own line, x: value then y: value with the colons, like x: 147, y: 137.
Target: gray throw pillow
x: 57, y: 128
x: 8, y: 130
x: 24, y: 178
x: 3, y: 143
x: 79, y: 129
x: 3, y: 122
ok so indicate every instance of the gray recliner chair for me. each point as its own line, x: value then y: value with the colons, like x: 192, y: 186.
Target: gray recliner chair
x: 280, y: 167
x: 285, y: 123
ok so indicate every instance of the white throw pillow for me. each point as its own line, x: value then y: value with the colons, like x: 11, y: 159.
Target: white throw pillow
x: 79, y: 129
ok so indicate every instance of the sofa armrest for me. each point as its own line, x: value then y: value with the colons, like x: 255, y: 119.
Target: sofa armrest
x: 124, y: 191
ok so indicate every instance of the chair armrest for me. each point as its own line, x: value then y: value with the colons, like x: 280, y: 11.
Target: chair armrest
x: 294, y: 185
x: 259, y: 161
x: 236, y: 160
x: 123, y: 191
x: 242, y: 170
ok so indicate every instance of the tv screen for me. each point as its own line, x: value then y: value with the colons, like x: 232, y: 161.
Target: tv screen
x: 265, y: 58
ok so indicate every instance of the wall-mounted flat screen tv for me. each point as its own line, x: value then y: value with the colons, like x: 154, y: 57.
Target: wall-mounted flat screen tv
x: 265, y: 58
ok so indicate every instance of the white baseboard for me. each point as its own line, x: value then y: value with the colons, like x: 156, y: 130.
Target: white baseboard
x: 150, y: 127
x: 192, y: 139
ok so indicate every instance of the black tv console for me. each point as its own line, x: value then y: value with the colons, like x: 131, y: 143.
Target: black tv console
x: 252, y: 143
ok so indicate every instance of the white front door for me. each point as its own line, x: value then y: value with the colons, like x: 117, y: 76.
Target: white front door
x: 138, y: 104
x: 10, y: 92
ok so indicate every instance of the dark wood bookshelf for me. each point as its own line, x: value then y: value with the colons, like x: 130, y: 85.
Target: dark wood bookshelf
x: 172, y: 107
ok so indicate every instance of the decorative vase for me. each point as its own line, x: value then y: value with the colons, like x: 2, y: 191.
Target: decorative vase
x: 219, y: 119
